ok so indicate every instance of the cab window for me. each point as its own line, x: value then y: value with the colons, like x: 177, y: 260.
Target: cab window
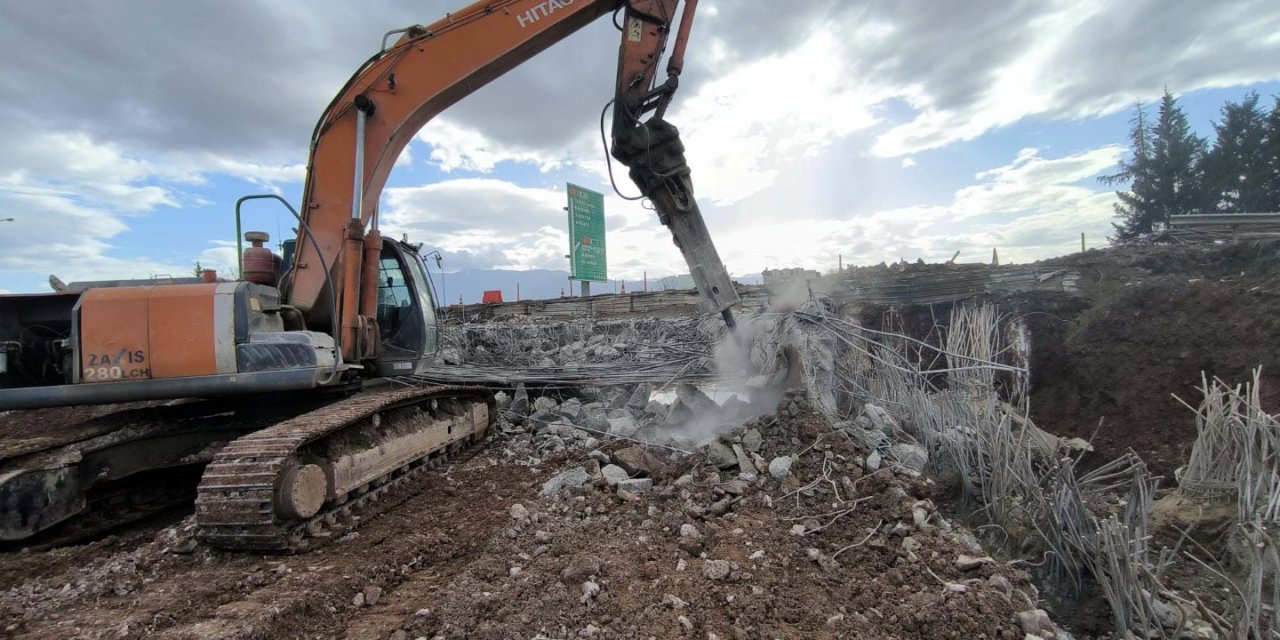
x: 395, y: 300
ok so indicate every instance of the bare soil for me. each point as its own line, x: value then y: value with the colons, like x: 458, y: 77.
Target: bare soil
x: 1121, y: 367
x: 453, y: 561
x: 459, y: 561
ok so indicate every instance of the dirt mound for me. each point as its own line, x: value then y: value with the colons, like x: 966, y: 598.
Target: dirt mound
x: 167, y: 586
x: 830, y: 551
x: 799, y: 535
x: 1123, y: 362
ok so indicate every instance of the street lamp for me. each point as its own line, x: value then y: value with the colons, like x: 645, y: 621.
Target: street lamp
x: 6, y: 219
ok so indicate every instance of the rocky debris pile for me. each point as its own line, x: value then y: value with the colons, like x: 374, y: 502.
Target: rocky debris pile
x: 778, y: 529
x: 542, y: 427
x: 879, y: 432
x: 525, y: 343
x: 123, y: 573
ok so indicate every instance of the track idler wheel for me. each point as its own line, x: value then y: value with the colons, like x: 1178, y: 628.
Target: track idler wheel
x: 301, y: 492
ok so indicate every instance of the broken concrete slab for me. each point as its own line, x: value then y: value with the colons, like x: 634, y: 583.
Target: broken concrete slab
x: 780, y: 467
x: 656, y: 408
x: 636, y: 485
x: 571, y: 409
x: 519, y: 404
x: 720, y: 455
x: 678, y: 413
x: 697, y: 401
x: 911, y: 456
x: 638, y: 461
x: 575, y: 477
x: 613, y: 474
x: 639, y: 398
x: 879, y: 419
x: 623, y: 426
x: 745, y: 465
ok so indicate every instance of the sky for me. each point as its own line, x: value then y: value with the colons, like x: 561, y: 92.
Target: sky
x: 817, y: 130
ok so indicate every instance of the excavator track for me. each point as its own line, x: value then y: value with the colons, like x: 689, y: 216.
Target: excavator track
x: 249, y: 496
x: 74, y: 473
x: 110, y: 510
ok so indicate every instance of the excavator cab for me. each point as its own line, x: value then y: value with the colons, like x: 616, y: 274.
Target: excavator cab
x: 408, y: 324
x: 407, y: 315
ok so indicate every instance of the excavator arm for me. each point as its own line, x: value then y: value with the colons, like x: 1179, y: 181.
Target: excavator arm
x: 397, y: 91
x: 651, y: 147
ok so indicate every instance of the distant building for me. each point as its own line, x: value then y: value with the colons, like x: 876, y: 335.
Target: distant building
x: 672, y: 283
x: 779, y: 276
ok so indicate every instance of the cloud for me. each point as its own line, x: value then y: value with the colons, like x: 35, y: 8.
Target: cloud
x: 106, y: 126
x: 221, y: 257
x: 61, y: 164
x: 765, y: 89
x: 256, y: 173
x: 481, y: 222
x: 737, y: 132
x: 489, y: 223
x: 159, y: 76
x: 967, y: 68
x: 1002, y: 62
x: 1029, y: 209
x: 250, y: 83
x: 68, y: 196
x: 740, y: 131
x: 71, y: 195
x: 1030, y: 183
x: 455, y: 147
x: 52, y: 233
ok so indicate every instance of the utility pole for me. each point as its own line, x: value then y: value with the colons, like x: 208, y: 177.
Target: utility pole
x: 569, y: 257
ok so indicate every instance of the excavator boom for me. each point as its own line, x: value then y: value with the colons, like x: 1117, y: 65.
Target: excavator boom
x: 388, y: 100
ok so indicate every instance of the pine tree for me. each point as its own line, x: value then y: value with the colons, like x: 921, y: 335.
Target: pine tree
x: 1136, y: 208
x: 1177, y: 157
x: 1237, y: 168
x: 1272, y: 152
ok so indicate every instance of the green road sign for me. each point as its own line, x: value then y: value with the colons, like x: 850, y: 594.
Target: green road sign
x: 587, y: 258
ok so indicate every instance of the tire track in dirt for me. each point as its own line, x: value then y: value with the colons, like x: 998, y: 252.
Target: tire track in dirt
x: 148, y: 591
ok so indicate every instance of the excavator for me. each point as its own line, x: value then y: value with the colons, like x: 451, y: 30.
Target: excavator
x: 286, y: 397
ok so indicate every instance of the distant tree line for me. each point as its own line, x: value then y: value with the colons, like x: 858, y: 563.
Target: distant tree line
x: 1171, y: 171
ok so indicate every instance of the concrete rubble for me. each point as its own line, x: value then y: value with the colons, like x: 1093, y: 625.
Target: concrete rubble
x: 628, y: 494
x: 647, y: 431
x: 699, y: 501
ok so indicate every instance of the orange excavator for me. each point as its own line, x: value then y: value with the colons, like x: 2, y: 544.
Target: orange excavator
x: 279, y: 385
